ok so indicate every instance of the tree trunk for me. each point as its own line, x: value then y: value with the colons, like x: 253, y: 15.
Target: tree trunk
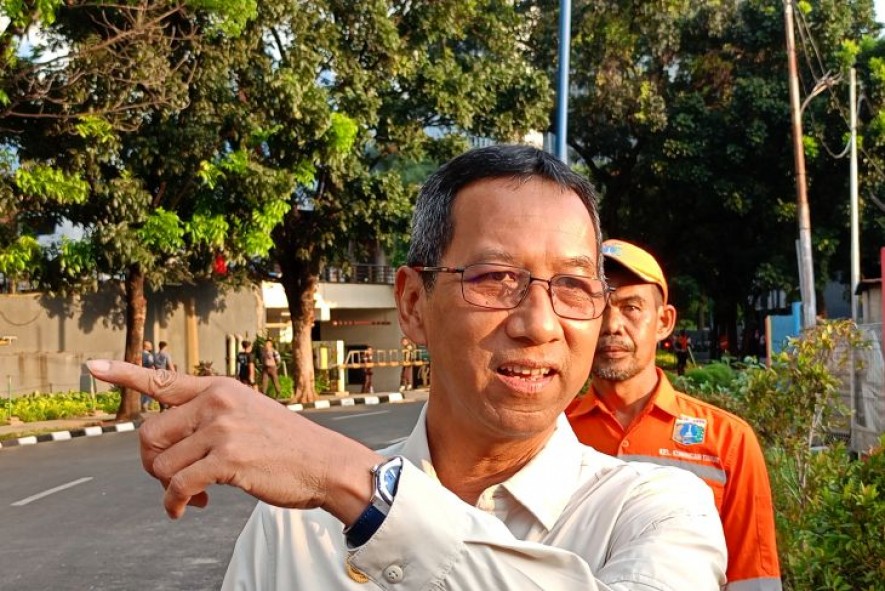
x: 136, y: 312
x: 304, y: 386
x: 300, y: 283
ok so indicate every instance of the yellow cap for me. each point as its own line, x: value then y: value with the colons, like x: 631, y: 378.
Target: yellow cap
x: 637, y: 261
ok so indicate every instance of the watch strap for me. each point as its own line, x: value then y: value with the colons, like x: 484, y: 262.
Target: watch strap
x: 365, y: 526
x: 386, y: 481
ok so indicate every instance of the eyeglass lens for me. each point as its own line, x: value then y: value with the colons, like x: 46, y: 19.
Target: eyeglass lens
x: 504, y: 287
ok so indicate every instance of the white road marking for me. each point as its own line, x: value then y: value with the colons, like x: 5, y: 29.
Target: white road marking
x: 359, y: 416
x: 51, y: 491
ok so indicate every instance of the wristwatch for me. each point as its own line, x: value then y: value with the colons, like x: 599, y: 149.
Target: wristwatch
x: 386, y: 478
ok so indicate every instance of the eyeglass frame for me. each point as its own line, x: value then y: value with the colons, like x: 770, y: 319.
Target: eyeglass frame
x: 605, y: 293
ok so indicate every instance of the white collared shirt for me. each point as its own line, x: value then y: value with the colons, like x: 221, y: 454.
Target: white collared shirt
x: 571, y: 519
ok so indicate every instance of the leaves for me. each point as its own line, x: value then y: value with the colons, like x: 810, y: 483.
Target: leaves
x: 50, y: 184
x: 21, y: 256
x: 76, y: 258
x: 162, y: 232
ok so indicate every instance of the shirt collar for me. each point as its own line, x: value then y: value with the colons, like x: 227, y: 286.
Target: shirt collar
x: 543, y: 486
x: 662, y: 397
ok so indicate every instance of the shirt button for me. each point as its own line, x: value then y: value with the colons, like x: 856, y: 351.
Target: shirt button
x: 393, y: 573
x: 625, y: 444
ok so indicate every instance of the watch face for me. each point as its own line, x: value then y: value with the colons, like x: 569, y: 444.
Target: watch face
x: 388, y: 479
x: 391, y: 478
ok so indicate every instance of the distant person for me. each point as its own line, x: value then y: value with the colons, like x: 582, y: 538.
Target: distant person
x: 147, y: 360
x: 246, y: 364
x: 723, y: 344
x: 270, y: 368
x: 681, y: 347
x: 632, y: 411
x: 408, y: 353
x: 369, y: 371
x: 163, y: 360
x: 491, y: 490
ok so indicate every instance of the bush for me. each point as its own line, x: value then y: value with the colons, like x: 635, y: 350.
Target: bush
x: 836, y: 542
x: 716, y: 383
x: 48, y: 407
x: 665, y: 359
x: 829, y: 508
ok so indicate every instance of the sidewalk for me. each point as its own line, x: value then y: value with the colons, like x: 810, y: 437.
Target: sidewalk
x: 66, y: 429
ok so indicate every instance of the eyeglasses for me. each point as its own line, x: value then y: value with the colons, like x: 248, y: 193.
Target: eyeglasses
x: 502, y: 287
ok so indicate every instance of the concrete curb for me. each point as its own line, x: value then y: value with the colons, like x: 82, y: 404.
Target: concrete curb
x: 95, y: 431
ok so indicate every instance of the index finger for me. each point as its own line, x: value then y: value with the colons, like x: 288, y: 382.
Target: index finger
x: 164, y: 386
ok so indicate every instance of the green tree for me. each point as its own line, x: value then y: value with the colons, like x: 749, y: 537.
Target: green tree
x: 681, y: 115
x: 80, y: 135
x: 357, y: 101
x: 298, y: 138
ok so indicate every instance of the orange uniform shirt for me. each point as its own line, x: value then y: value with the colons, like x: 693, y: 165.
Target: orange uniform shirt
x: 675, y: 429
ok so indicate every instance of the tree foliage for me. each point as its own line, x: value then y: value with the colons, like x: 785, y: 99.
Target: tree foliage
x: 275, y: 135
x: 96, y: 130
x: 680, y: 111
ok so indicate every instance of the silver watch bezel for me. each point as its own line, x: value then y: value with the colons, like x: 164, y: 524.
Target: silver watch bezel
x: 382, y: 496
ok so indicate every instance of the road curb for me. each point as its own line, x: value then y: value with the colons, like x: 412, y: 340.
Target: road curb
x: 96, y: 430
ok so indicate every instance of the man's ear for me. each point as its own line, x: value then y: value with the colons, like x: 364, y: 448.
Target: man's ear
x: 666, y: 321
x: 410, y: 298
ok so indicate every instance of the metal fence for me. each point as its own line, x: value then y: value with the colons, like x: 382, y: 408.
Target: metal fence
x: 861, y: 391
x: 867, y: 400
x: 359, y: 273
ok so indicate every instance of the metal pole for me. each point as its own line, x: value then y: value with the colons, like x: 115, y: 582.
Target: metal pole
x: 855, y: 248
x: 806, y: 275
x: 855, y: 231
x: 565, y: 34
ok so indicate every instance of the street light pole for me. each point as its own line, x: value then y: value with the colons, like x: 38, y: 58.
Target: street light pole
x: 565, y: 41
x: 806, y: 264
x: 855, y: 222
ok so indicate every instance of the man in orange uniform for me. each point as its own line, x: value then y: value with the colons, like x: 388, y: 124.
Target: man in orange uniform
x: 632, y: 411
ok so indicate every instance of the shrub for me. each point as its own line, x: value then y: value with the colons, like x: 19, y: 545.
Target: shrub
x: 837, y: 541
x: 48, y: 407
x: 665, y: 359
x: 829, y: 509
x: 715, y: 382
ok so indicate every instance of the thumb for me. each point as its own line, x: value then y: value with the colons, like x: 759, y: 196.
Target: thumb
x: 161, y: 385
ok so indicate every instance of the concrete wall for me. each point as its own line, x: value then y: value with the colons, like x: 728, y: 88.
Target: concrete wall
x: 356, y: 296
x: 55, y: 336
x: 378, y: 328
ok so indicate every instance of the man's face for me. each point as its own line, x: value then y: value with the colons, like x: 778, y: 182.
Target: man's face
x: 507, y: 374
x: 633, y: 323
x: 148, y: 346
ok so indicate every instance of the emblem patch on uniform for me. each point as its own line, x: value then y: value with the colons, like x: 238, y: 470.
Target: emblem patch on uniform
x: 689, y: 430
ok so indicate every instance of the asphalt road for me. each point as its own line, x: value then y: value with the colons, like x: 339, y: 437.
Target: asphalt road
x: 82, y: 515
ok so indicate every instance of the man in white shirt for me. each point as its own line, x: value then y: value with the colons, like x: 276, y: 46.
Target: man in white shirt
x: 491, y: 490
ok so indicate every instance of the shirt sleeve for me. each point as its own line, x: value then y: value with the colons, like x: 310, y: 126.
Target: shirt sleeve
x: 665, y: 541
x: 665, y: 535
x: 748, y: 520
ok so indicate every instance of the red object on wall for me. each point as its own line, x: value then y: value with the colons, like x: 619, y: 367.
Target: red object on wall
x: 219, y: 265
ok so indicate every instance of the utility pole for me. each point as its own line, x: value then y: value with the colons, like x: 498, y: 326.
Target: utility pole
x: 806, y: 264
x: 565, y: 43
x: 855, y: 222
